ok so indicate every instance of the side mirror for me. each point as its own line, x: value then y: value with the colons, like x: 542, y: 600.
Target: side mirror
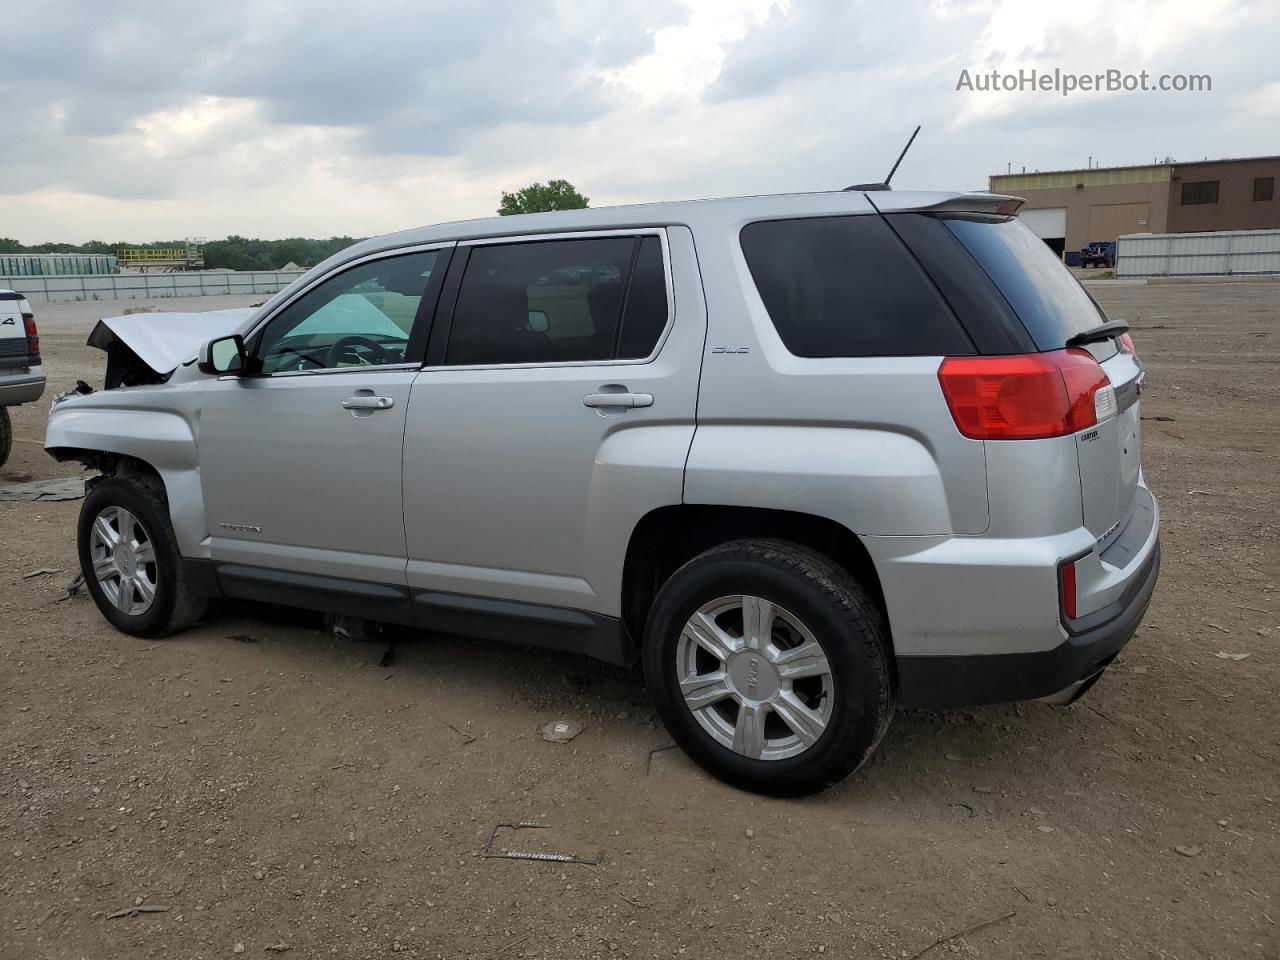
x: 224, y: 355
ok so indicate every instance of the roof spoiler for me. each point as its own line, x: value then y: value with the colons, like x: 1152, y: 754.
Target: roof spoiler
x: 990, y: 203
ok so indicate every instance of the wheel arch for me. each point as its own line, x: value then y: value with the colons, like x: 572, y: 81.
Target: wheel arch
x: 180, y: 484
x: 667, y: 537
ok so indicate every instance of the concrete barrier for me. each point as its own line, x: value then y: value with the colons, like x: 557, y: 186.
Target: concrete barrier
x: 148, y: 286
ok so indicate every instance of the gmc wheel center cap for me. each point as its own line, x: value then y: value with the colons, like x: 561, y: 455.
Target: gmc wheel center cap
x: 752, y: 676
x: 123, y: 558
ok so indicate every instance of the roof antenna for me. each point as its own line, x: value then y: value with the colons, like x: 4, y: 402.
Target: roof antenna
x: 892, y: 170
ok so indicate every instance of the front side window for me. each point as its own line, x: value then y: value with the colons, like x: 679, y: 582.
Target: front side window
x: 361, y: 317
x: 557, y: 301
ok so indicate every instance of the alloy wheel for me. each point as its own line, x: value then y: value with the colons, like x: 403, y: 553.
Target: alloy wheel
x: 124, y: 560
x: 755, y: 677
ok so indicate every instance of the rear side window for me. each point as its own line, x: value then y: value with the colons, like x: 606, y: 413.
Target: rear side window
x: 847, y: 287
x: 1047, y: 299
x: 556, y: 301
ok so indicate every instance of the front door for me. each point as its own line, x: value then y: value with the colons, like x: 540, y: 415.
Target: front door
x: 559, y: 411
x: 300, y: 463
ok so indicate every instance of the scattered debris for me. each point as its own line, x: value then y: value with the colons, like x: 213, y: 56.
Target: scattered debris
x: 560, y: 731
x: 242, y: 638
x: 61, y: 488
x: 466, y: 737
x: 277, y: 947
x: 487, y: 852
x: 960, y: 933
x: 389, y: 655
x: 129, y: 311
x: 1222, y: 655
x: 354, y: 628
x: 961, y: 803
x: 981, y: 789
x: 72, y: 588
x: 1162, y: 419
x: 1203, y: 493
x: 1023, y: 895
x: 513, y: 943
x: 953, y: 757
x: 42, y: 572
x: 136, y: 909
x: 1045, y: 829
x: 1187, y: 850
x: 634, y: 903
x: 648, y: 761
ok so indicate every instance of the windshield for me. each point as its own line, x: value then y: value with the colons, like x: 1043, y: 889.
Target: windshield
x: 1047, y: 299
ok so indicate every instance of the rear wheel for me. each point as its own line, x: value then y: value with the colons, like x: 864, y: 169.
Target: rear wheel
x: 769, y: 664
x: 130, y: 559
x: 6, y: 435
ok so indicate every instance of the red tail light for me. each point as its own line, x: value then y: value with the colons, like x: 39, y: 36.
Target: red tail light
x: 33, y: 335
x: 1126, y: 344
x: 1024, y: 397
x: 1067, y: 588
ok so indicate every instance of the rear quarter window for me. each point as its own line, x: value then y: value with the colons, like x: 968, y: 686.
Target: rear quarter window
x: 847, y: 287
x: 1049, y: 301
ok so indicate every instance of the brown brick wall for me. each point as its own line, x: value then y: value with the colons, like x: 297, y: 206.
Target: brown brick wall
x: 1236, y: 209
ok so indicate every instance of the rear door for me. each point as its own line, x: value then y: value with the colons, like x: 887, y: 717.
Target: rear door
x: 1054, y: 307
x: 556, y: 409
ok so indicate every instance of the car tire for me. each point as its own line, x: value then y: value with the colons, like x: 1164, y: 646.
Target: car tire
x: 733, y: 703
x: 6, y: 435
x: 130, y: 560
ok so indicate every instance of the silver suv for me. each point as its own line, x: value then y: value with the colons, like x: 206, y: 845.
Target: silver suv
x: 805, y: 457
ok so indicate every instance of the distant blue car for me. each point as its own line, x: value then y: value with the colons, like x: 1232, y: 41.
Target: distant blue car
x: 1101, y: 252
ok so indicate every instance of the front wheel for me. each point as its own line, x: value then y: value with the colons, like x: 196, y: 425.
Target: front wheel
x: 130, y: 560
x: 769, y: 664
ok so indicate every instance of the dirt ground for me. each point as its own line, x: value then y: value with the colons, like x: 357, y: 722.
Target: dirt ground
x: 273, y: 786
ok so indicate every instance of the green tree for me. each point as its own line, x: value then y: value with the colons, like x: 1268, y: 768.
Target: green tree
x: 541, y: 197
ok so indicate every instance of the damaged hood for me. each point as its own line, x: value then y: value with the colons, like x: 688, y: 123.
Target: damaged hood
x: 165, y: 341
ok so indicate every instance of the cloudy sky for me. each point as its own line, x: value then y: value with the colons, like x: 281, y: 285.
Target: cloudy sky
x: 272, y: 119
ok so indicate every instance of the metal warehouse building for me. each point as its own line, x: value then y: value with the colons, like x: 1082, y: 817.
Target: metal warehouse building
x: 1071, y: 208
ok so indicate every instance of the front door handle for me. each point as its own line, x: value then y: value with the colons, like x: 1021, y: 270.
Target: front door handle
x: 368, y: 403
x: 618, y: 400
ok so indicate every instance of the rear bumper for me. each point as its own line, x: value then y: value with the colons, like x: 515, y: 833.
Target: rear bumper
x: 24, y: 388
x: 970, y: 680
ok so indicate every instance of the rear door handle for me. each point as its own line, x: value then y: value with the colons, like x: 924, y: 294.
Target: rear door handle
x: 618, y: 400
x: 368, y: 403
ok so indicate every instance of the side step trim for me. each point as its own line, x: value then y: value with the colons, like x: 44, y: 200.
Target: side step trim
x: 535, y: 624
x: 511, y: 621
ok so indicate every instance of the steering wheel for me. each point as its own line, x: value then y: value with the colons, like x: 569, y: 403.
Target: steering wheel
x: 342, y: 344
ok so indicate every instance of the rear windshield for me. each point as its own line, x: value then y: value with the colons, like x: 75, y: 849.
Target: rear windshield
x: 848, y: 287
x: 1047, y: 299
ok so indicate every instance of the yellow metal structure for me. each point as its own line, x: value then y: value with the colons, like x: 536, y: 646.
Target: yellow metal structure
x: 163, y: 259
